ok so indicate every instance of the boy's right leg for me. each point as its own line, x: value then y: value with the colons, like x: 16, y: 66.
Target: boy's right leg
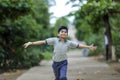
x: 60, y: 70
x: 56, y: 71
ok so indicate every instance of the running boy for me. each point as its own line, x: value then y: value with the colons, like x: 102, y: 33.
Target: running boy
x: 61, y: 46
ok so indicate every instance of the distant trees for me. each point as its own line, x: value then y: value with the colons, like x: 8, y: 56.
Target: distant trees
x: 59, y: 22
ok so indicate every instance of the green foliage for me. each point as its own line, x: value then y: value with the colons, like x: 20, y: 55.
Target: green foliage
x: 116, y: 31
x: 89, y: 21
x: 47, y: 55
x: 11, y: 36
x: 14, y: 8
x: 93, y: 11
x: 41, y: 14
x: 31, y: 58
x: 16, y: 30
x: 96, y: 39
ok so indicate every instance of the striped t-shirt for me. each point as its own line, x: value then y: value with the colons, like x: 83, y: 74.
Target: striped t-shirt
x: 60, y: 48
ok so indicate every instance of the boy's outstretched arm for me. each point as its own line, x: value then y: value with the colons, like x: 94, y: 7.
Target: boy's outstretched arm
x: 91, y: 47
x: 34, y: 43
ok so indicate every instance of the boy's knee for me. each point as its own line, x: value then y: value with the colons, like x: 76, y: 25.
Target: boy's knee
x: 63, y: 78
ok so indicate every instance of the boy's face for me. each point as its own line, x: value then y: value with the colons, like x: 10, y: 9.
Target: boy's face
x: 63, y: 33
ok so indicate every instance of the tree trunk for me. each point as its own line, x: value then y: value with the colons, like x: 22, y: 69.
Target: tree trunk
x: 109, y: 36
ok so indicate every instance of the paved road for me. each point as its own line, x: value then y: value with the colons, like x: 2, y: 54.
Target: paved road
x: 79, y: 68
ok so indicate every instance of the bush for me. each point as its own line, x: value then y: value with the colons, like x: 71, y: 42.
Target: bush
x: 47, y: 55
x: 15, y: 30
x: 97, y: 40
x: 32, y: 58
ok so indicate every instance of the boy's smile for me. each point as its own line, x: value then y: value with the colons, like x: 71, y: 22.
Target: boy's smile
x: 63, y: 34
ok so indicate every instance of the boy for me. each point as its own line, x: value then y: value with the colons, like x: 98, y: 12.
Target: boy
x: 61, y: 46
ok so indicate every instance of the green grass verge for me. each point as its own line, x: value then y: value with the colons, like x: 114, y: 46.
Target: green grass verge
x: 47, y: 55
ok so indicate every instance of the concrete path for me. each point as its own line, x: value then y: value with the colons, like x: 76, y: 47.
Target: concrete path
x: 79, y: 68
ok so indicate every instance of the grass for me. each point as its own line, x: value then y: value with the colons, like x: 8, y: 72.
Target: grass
x: 47, y: 55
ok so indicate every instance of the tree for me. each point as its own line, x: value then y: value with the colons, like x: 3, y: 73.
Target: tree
x: 22, y: 21
x: 10, y: 10
x: 97, y: 13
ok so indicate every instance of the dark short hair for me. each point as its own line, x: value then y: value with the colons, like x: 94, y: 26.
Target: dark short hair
x: 62, y: 27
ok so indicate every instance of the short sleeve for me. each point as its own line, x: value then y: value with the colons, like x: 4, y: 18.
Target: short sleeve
x: 50, y: 41
x: 73, y: 44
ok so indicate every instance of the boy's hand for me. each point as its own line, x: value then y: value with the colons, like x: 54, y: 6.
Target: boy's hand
x: 27, y: 44
x: 92, y: 47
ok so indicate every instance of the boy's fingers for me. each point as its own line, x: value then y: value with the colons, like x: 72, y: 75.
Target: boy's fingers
x: 95, y: 47
x: 25, y: 45
x: 91, y: 44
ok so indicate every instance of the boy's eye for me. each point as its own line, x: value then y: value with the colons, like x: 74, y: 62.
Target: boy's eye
x: 63, y: 31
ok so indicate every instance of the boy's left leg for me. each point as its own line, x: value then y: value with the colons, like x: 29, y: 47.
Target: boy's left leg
x: 63, y: 71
